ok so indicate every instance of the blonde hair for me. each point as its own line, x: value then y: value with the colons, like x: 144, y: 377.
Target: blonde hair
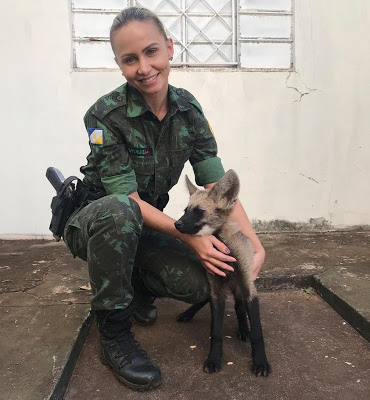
x: 135, y: 14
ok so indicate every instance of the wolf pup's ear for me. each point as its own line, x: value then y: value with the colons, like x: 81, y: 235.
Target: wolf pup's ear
x: 226, y: 190
x: 191, y: 188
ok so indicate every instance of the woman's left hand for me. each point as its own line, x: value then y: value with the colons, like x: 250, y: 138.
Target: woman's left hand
x: 258, y: 260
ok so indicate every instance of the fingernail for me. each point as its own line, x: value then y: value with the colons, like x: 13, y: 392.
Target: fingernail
x: 227, y: 250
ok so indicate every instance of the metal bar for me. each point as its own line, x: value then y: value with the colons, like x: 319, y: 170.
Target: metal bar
x: 195, y: 67
x: 233, y: 48
x: 160, y: 14
x: 217, y: 43
x: 184, y: 53
x: 292, y: 54
x: 221, y: 52
x: 262, y: 13
x: 238, y: 47
x: 265, y: 40
x: 91, y: 39
x: 206, y: 65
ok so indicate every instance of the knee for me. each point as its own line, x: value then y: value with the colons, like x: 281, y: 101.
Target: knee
x: 194, y: 287
x: 123, y: 212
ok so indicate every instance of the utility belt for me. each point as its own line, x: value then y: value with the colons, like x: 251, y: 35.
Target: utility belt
x: 71, y: 196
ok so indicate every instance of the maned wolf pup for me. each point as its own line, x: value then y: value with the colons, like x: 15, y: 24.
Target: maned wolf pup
x: 208, y: 213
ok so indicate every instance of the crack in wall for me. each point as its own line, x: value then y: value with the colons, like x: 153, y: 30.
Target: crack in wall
x: 306, y: 90
x: 308, y: 177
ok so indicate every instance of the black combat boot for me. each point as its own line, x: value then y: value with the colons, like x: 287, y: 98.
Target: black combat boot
x: 123, y: 354
x: 145, y: 312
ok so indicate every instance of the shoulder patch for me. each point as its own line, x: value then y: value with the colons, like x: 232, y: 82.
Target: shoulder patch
x: 210, y: 128
x: 96, y: 136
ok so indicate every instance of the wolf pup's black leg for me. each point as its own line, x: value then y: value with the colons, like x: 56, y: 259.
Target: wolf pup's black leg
x: 241, y: 314
x: 214, y: 360
x: 191, y: 311
x: 260, y: 365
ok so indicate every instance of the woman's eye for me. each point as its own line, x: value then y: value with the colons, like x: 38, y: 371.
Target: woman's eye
x: 128, y: 60
x: 151, y: 51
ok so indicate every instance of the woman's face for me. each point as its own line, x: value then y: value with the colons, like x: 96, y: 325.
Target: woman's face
x: 143, y: 54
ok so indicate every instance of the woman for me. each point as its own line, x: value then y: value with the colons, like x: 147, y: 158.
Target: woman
x: 141, y: 134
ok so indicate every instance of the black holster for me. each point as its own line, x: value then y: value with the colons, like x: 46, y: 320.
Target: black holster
x: 69, y: 197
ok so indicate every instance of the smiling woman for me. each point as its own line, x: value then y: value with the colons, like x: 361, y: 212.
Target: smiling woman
x: 148, y: 130
x: 142, y: 52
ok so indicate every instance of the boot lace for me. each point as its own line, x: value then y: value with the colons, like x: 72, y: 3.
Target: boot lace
x: 129, y: 348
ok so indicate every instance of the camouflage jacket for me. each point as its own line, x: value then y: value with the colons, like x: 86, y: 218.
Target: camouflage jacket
x: 131, y: 150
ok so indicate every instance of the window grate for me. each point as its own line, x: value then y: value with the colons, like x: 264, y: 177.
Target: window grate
x: 203, y: 31
x: 248, y: 34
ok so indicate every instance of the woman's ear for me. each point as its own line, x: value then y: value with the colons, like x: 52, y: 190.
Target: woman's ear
x: 170, y: 48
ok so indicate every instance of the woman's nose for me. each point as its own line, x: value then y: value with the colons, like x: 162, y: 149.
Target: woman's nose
x: 144, y: 66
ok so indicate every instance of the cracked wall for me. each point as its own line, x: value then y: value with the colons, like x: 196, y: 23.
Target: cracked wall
x: 299, y: 141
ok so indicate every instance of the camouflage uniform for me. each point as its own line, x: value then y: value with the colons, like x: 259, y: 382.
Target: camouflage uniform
x: 131, y: 150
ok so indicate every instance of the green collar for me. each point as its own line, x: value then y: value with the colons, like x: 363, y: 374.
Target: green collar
x: 136, y: 105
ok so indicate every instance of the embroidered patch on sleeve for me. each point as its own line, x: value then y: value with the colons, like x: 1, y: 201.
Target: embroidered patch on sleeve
x: 210, y: 128
x: 96, y: 136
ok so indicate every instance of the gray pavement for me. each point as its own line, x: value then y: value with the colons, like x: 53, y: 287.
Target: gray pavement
x: 42, y: 315
x: 312, y: 353
x: 44, y: 308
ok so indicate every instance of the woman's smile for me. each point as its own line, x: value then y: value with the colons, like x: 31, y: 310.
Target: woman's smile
x: 151, y: 80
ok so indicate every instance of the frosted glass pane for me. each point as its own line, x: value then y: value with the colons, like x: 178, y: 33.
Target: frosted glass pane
x: 252, y: 26
x: 214, y: 29
x: 217, y: 5
x: 265, y: 55
x: 92, y: 25
x: 163, y: 6
x: 273, y: 5
x: 177, y: 53
x: 173, y: 26
x: 100, y: 4
x: 207, y: 53
x: 94, y: 55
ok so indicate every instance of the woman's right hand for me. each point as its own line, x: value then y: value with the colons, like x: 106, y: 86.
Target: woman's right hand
x: 212, y: 253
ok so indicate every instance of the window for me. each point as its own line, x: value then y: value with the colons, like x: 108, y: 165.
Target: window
x: 249, y: 34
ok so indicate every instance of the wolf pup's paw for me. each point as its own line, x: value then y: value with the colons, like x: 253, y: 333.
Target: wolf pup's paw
x: 243, y: 334
x: 211, y: 366
x: 260, y: 366
x: 184, y: 317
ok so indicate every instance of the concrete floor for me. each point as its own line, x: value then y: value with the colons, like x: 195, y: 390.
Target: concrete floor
x: 44, y: 306
x: 314, y: 354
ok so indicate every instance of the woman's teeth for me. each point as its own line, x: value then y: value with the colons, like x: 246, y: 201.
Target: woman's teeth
x: 149, y: 79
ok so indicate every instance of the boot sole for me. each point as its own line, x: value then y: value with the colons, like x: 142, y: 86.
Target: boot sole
x: 133, y: 386
x: 141, y: 323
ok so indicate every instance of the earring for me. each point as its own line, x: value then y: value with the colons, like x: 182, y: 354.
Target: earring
x: 171, y: 58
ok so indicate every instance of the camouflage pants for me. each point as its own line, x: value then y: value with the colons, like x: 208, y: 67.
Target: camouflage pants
x: 108, y: 234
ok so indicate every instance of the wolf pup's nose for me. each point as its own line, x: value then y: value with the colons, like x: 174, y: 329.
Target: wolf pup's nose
x: 178, y: 225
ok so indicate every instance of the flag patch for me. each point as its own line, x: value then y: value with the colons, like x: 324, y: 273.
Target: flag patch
x: 210, y: 128
x: 96, y: 136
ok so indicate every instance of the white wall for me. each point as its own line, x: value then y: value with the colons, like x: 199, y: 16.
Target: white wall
x: 298, y: 157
